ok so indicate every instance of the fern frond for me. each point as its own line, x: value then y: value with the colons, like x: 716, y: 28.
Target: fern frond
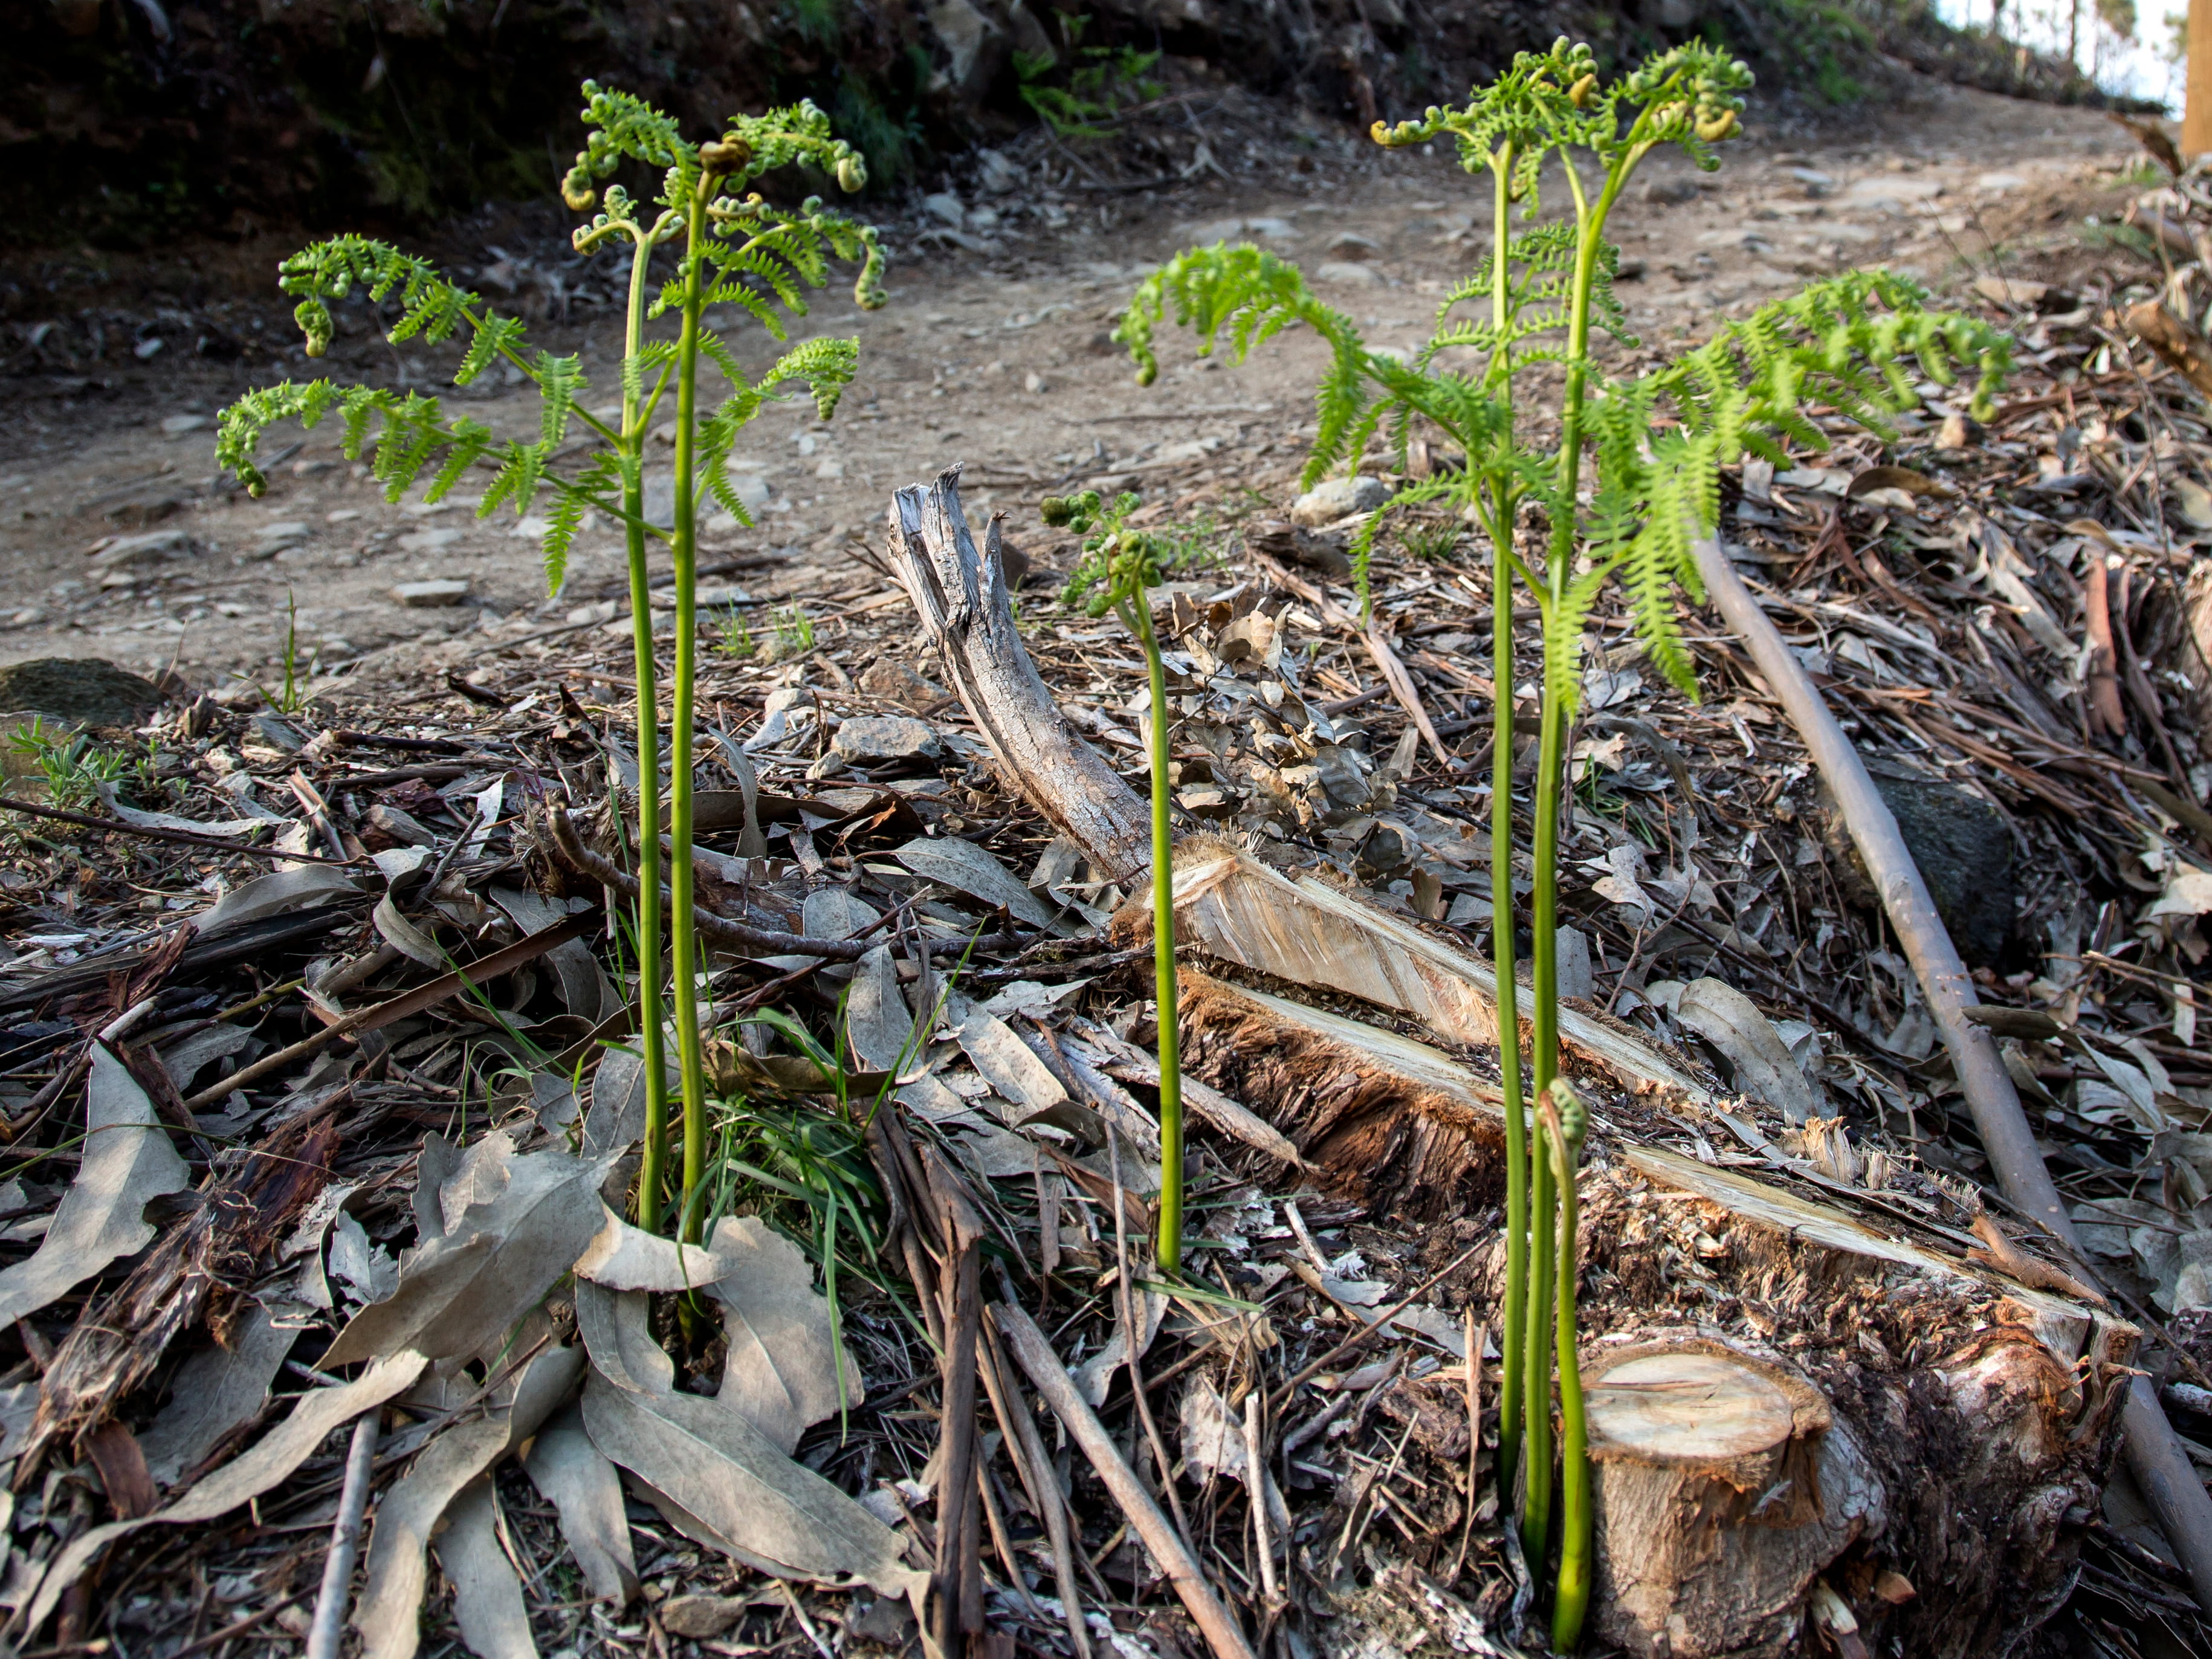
x: 559, y: 380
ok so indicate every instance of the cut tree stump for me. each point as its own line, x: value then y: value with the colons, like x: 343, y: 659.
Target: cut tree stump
x: 1787, y: 1396
x: 1722, y: 1485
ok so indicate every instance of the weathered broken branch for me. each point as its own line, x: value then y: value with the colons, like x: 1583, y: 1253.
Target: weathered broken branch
x: 2174, y: 341
x: 961, y: 600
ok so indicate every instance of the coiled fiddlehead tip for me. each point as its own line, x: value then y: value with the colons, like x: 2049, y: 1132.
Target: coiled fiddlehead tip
x: 314, y: 318
x: 852, y: 174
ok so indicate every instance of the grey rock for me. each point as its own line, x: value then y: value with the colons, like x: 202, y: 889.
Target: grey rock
x: 431, y: 595
x: 886, y: 1622
x: 885, y: 741
x: 893, y: 681
x: 428, y: 541
x: 87, y: 690
x: 1964, y: 849
x: 154, y: 545
x: 1339, y: 498
x: 946, y: 209
x: 1349, y: 245
x: 1668, y: 192
x: 1345, y: 272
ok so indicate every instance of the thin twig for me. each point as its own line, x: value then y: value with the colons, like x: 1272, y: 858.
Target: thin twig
x: 329, y: 1624
x: 181, y: 837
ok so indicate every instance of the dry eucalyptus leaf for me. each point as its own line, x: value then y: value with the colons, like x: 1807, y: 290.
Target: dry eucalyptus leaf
x: 717, y: 1466
x: 459, y: 1294
x: 626, y: 1258
x: 277, y: 891
x: 214, y: 1392
x: 1008, y: 1064
x: 583, y: 1487
x: 616, y: 1116
x: 613, y: 1326
x: 1094, y: 1376
x: 405, y: 936
x: 1725, y: 1017
x: 878, y: 1023
x: 251, y: 1475
x: 781, y: 1373
x: 128, y: 1162
x: 388, y: 1614
x: 967, y: 868
x: 487, y: 1595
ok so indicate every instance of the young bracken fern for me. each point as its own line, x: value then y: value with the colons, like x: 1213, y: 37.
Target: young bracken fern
x: 727, y: 246
x: 1632, y: 482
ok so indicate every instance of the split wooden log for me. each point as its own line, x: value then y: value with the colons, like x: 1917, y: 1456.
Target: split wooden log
x: 1302, y: 931
x: 962, y: 598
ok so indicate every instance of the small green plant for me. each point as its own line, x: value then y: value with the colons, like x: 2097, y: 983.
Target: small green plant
x: 728, y: 246
x: 794, y: 632
x: 71, y: 764
x: 1632, y: 483
x: 1118, y: 565
x: 1099, y: 80
x: 292, y: 694
x: 1432, y: 543
x: 737, y: 636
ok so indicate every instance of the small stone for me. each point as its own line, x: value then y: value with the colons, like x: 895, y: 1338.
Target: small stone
x: 430, y: 541
x: 1033, y: 381
x: 177, y: 425
x: 1813, y: 183
x: 275, y: 538
x: 945, y: 208
x: 430, y: 595
x: 1339, y: 498
x: 894, y: 682
x: 142, y: 549
x: 1347, y: 245
x: 1350, y: 275
x: 1670, y: 192
x: 700, y: 1618
x: 1959, y: 432
x: 1002, y: 176
x: 886, y: 1622
x: 885, y: 741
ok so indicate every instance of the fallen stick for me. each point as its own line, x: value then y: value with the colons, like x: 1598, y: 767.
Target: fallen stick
x: 329, y: 1624
x: 2174, y: 340
x: 400, y: 1008
x: 2177, y: 1496
x: 1025, y: 1450
x: 181, y: 837
x: 1035, y: 1356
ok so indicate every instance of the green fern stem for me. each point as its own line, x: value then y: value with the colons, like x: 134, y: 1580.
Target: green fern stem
x: 652, y: 1171
x: 1571, y: 1595
x: 1515, y: 1314
x: 1138, y: 614
x: 690, y: 1048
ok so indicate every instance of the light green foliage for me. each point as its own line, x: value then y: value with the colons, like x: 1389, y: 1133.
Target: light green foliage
x: 1632, y: 483
x: 762, y: 256
x: 728, y: 246
x: 794, y: 632
x: 71, y: 764
x: 1099, y: 80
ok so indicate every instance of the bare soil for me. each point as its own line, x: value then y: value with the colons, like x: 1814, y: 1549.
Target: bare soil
x: 993, y: 352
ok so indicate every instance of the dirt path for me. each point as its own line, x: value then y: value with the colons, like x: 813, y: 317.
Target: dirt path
x: 995, y: 355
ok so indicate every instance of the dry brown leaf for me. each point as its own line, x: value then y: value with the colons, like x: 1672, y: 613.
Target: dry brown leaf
x: 128, y: 1162
x: 613, y: 1326
x: 252, y: 1474
x: 215, y: 1391
x: 388, y: 1614
x: 1725, y: 1017
x: 487, y: 1595
x: 626, y: 1258
x: 784, y: 1361
x: 580, y: 1482
x: 515, y: 1224
x: 768, y: 1509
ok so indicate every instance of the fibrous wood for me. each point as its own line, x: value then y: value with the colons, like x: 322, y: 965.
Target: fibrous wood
x: 962, y: 598
x: 1302, y: 931
x: 1965, y: 1412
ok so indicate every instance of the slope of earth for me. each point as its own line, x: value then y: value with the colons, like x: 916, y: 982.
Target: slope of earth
x: 992, y: 351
